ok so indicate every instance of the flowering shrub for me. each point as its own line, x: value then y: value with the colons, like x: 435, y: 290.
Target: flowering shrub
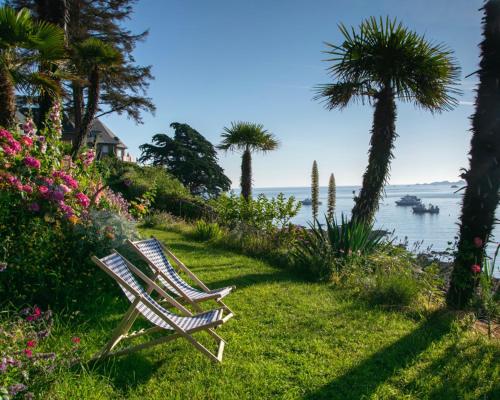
x: 24, y: 359
x: 48, y: 203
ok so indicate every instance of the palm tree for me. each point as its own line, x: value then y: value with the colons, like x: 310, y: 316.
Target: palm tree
x: 92, y: 57
x: 247, y: 137
x: 481, y: 195
x: 383, y: 62
x: 23, y: 44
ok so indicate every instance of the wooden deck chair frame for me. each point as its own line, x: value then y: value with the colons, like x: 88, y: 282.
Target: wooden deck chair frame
x: 121, y: 332
x: 182, y: 267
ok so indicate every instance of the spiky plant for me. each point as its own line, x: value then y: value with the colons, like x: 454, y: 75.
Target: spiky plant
x: 383, y: 62
x: 481, y: 195
x: 315, y: 191
x: 248, y: 138
x: 332, y: 198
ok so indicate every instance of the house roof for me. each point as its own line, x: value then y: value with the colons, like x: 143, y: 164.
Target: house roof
x: 101, y: 134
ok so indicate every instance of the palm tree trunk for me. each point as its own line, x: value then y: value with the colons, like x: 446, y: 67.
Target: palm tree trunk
x: 246, y: 174
x: 7, y: 100
x: 380, y: 155
x: 90, y: 111
x: 483, y: 177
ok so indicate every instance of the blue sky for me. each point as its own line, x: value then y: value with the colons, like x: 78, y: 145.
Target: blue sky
x: 223, y: 60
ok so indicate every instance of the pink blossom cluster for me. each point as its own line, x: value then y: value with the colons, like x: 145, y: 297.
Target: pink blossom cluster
x: 87, y: 157
x: 55, y: 117
x: 29, y: 127
x: 9, y: 145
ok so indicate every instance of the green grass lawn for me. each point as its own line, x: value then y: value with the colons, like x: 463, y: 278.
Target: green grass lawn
x: 290, y: 339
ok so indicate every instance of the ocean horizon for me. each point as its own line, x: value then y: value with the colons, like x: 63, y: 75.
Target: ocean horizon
x: 421, y: 232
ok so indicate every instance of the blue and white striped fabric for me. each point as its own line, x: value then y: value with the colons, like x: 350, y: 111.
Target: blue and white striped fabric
x: 151, y: 249
x: 116, y: 264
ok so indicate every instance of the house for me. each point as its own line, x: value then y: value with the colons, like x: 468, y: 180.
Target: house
x: 103, y: 140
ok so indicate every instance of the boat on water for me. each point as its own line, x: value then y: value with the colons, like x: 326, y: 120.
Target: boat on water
x: 421, y: 209
x: 454, y: 186
x: 308, y: 202
x: 409, y: 200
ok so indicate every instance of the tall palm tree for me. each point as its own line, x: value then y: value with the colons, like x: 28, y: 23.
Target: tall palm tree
x: 481, y: 195
x: 23, y: 44
x: 382, y: 63
x: 92, y: 57
x: 247, y: 137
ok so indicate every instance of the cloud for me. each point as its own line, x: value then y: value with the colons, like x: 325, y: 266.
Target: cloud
x: 466, y: 103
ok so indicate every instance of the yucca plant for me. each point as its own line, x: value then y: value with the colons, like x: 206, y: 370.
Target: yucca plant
x: 324, y: 251
x: 205, y: 231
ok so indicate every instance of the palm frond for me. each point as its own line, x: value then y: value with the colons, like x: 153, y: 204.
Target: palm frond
x: 242, y: 135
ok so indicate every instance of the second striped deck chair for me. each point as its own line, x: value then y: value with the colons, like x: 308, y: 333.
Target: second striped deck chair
x: 155, y: 254
x: 177, y: 326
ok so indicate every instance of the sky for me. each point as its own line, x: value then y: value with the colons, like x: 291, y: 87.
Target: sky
x: 258, y: 60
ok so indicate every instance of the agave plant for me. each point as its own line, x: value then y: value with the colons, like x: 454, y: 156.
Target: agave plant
x: 324, y: 251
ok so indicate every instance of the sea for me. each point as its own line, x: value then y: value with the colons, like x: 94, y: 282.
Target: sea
x: 420, y: 232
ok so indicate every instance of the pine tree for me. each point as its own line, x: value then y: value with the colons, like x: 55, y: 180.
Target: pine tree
x: 315, y: 191
x: 332, y: 198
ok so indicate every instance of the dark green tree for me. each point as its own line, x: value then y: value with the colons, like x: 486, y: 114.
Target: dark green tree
x: 190, y: 158
x: 315, y: 191
x: 384, y: 62
x: 481, y: 195
x: 247, y: 137
x: 330, y: 214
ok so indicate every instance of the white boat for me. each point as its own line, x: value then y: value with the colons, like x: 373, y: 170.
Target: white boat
x: 308, y: 202
x: 409, y: 201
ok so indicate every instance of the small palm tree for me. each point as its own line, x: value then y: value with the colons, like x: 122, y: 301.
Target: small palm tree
x: 481, y: 197
x: 24, y: 43
x: 91, y: 57
x: 249, y: 138
x: 383, y: 62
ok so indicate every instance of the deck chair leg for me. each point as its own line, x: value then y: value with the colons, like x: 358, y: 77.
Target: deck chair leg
x: 220, y: 350
x: 225, y: 307
x: 122, y: 328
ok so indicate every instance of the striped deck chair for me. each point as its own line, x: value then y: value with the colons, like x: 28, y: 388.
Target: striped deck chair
x: 155, y: 254
x: 178, y: 326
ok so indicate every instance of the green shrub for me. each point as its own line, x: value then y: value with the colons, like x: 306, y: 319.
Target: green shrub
x: 205, y: 231
x: 160, y: 220
x: 261, y: 213
x: 394, y: 289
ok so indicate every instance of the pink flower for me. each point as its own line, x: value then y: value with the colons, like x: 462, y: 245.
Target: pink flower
x: 35, y: 207
x: 478, y: 242
x: 37, y: 312
x: 15, y: 145
x: 57, y: 195
x: 4, y: 134
x: 28, y: 353
x: 29, y: 127
x: 27, y: 188
x: 75, y: 340
x: 27, y: 141
x: 44, y: 191
x: 31, y: 343
x: 83, y: 200
x: 67, y: 210
x: 63, y: 188
x: 32, y: 162
x: 8, y: 150
x: 476, y: 269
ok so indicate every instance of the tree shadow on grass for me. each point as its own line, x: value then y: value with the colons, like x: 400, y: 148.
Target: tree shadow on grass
x: 363, y: 379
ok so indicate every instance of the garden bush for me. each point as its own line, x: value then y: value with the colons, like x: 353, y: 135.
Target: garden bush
x: 53, y: 216
x: 398, y: 289
x: 134, y: 181
x: 205, y: 231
